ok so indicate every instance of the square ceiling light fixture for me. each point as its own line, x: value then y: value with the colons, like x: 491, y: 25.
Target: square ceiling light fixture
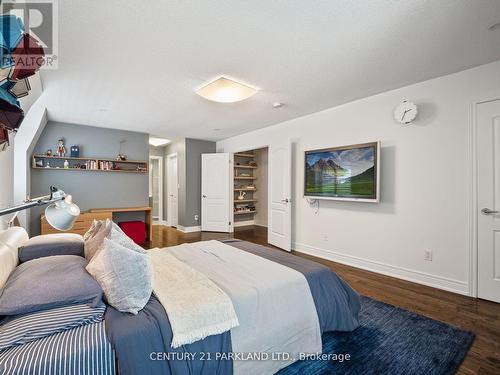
x: 157, y: 142
x: 226, y: 90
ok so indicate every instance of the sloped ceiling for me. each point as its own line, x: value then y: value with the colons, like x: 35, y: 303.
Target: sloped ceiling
x: 134, y: 64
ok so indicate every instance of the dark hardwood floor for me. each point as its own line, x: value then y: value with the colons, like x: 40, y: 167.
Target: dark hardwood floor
x: 479, y: 316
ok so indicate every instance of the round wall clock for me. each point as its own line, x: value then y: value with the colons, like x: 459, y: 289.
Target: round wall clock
x: 406, y: 112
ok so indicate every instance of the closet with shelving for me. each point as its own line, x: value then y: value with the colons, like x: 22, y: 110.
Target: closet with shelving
x: 250, y: 188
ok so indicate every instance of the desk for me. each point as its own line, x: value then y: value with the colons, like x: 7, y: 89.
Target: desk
x: 84, y: 221
x: 146, y: 209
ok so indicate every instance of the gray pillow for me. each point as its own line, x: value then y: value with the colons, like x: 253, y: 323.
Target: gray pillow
x: 124, y: 275
x: 51, y: 244
x: 46, y: 283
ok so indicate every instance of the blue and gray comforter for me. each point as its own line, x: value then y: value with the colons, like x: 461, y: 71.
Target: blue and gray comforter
x: 142, y: 342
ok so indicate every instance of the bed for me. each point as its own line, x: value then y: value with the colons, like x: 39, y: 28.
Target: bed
x: 135, y: 344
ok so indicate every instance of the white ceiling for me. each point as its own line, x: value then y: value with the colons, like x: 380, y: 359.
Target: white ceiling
x: 134, y: 64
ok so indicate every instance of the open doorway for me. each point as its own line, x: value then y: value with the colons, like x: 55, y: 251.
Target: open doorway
x: 156, y: 187
x: 251, y: 188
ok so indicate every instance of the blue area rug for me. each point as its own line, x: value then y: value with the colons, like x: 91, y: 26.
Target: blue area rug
x: 390, y: 340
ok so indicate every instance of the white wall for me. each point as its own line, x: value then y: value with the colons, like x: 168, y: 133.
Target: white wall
x: 424, y: 180
x: 7, y: 157
x: 6, y: 179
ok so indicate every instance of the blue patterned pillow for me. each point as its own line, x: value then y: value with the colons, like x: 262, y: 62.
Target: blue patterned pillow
x: 20, y: 329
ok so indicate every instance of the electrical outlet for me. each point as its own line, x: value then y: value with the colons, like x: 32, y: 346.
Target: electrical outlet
x: 428, y: 255
x: 196, y: 217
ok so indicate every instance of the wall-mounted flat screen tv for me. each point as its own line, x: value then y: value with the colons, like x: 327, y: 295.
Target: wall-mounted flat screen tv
x: 343, y: 173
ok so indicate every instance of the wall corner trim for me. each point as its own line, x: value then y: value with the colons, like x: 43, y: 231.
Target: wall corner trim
x: 439, y: 282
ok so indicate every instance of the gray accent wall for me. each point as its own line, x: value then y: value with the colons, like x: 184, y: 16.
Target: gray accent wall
x: 92, y: 189
x: 194, y: 149
x: 189, y: 174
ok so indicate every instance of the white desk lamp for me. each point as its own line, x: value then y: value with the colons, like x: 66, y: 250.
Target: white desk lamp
x: 61, y: 212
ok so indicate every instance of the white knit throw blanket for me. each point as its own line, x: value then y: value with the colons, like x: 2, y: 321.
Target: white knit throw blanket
x: 196, y: 307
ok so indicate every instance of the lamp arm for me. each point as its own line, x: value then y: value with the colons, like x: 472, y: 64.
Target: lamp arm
x: 40, y: 201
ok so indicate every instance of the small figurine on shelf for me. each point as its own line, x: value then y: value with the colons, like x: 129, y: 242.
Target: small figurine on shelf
x: 241, y: 196
x: 61, y: 150
x: 75, y: 151
x: 48, y: 152
x: 120, y: 155
x: 66, y: 164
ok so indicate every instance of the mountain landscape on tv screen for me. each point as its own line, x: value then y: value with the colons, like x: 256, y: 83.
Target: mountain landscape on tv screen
x: 341, y: 173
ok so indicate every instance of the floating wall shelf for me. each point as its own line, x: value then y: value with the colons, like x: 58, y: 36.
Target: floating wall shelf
x: 51, y: 163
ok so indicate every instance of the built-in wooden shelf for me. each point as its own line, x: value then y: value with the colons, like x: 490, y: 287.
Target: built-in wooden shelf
x: 88, y: 170
x: 80, y: 158
x: 245, y: 166
x: 121, y: 166
x: 246, y: 159
x: 244, y: 212
x: 240, y: 201
x: 244, y: 155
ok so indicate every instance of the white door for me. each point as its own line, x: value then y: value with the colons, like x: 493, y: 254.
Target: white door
x: 172, y: 190
x: 280, y: 192
x: 215, y: 192
x: 488, y: 198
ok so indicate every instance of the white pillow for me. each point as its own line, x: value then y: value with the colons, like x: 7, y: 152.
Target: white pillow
x: 8, y: 261
x: 10, y: 240
x: 124, y: 275
x: 94, y: 243
x: 94, y: 228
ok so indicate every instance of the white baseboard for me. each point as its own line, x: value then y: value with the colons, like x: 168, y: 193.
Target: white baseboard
x: 243, y: 223
x: 451, y: 285
x: 189, y: 229
x: 161, y: 222
x: 261, y: 225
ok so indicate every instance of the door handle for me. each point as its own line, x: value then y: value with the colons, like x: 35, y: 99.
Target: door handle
x: 487, y: 211
x: 204, y: 196
x: 285, y: 200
